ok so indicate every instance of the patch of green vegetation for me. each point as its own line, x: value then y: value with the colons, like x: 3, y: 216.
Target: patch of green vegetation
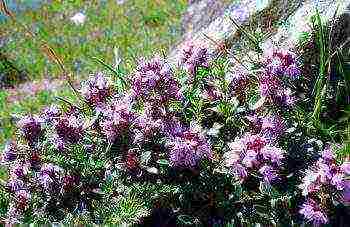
x: 136, y: 27
x: 30, y: 104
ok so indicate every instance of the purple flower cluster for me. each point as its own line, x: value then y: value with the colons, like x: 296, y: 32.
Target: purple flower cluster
x: 17, y: 184
x: 313, y: 213
x: 324, y: 176
x: 117, y: 117
x: 49, y: 176
x: 147, y: 126
x: 252, y: 154
x: 9, y: 153
x: 50, y: 113
x: 97, y: 89
x: 187, y: 148
x: 31, y: 128
x: 278, y: 65
x: 25, y: 183
x: 282, y: 63
x: 154, y: 81
x: 271, y: 126
x: 272, y: 88
x: 193, y: 57
x: 239, y: 83
x: 19, y: 169
x: 69, y: 130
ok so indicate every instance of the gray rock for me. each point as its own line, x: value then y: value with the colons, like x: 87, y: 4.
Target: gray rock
x: 299, y: 22
x: 200, y: 13
x: 292, y: 15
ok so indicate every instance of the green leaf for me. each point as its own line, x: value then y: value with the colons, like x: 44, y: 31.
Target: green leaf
x: 163, y: 162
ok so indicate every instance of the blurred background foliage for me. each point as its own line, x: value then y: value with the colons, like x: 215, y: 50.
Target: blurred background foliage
x: 135, y: 27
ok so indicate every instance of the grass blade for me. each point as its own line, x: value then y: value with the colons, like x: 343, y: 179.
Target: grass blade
x: 114, y: 71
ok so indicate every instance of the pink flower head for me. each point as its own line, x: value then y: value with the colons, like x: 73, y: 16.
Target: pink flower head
x: 273, y: 154
x: 69, y: 129
x: 250, y: 159
x: 20, y: 170
x: 307, y: 210
x: 345, y: 167
x: 312, y: 213
x: 193, y: 57
x: 51, y: 112
x: 97, y: 89
x: 327, y: 154
x: 31, y: 128
x: 282, y: 63
x: 9, y: 153
x: 338, y: 181
x: 154, y: 80
x: 268, y: 173
x: 319, y: 218
x: 117, y: 117
x: 188, y: 148
x: 239, y: 171
x: 324, y: 172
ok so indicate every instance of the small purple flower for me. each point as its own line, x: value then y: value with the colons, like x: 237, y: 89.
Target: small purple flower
x: 270, y: 86
x: 274, y: 154
x: 188, y: 148
x: 49, y: 173
x: 319, y: 218
x: 50, y: 169
x: 154, y: 81
x: 31, y: 129
x: 346, y: 192
x: 97, y: 89
x: 51, y: 112
x: 69, y: 129
x: 272, y: 127
x: 345, y: 167
x: 182, y: 155
x: 194, y: 56
x: 307, y: 210
x: 293, y: 71
x: 9, y: 153
x: 45, y: 181
x: 250, y: 159
x: 327, y: 154
x: 312, y: 213
x: 239, y: 171
x: 282, y: 63
x: 268, y: 173
x: 117, y: 117
x: 338, y: 181
x: 252, y: 153
x: 15, y: 184
x: 20, y: 170
x: 324, y: 172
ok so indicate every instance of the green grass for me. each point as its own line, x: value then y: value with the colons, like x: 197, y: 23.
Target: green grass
x: 137, y: 28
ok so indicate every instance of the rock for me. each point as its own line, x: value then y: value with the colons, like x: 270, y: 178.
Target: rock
x: 299, y: 22
x: 246, y: 13
x: 220, y: 30
x: 200, y: 13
